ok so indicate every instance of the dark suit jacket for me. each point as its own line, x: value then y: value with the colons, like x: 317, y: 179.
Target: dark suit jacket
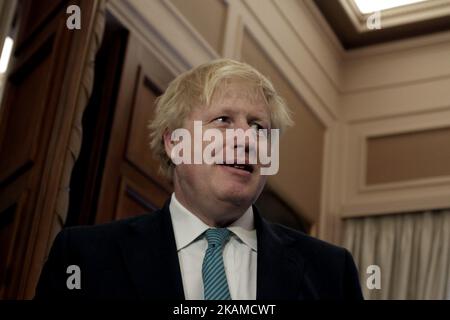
x: 137, y: 258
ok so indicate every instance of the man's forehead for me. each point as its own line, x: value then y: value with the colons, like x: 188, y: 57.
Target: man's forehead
x: 238, y: 89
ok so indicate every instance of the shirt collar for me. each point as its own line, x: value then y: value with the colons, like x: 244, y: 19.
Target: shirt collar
x: 244, y: 229
x: 188, y: 227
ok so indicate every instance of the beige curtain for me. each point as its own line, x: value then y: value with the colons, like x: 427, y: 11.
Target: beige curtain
x: 412, y: 251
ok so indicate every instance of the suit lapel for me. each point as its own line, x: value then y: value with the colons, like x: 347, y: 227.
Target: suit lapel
x: 279, y: 270
x: 151, y: 258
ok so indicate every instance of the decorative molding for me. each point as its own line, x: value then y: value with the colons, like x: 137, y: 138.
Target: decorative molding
x: 362, y: 199
x: 417, y: 98
x: 52, y: 193
x: 234, y: 31
x: 128, y: 189
x: 147, y: 35
x: 323, y: 26
x: 326, y: 113
x: 286, y: 11
x: 195, y: 34
x: 397, y: 84
x: 399, y: 15
x: 164, y: 31
x: 425, y: 199
x: 84, y: 93
x: 397, y: 46
x: 329, y: 223
x: 294, y: 59
x: 373, y: 50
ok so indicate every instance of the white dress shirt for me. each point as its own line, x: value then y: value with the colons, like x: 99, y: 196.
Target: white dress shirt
x: 239, y: 253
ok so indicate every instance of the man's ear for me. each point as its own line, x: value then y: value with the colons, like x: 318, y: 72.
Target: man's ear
x: 168, y: 143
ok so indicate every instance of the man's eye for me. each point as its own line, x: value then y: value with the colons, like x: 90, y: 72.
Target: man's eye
x: 222, y: 119
x: 256, y: 126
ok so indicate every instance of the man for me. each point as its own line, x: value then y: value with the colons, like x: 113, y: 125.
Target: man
x: 208, y: 241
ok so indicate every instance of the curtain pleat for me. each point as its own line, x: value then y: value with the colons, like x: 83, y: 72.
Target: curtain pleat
x: 411, y: 249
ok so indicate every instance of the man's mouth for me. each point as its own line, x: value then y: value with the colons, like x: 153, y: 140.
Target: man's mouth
x: 245, y: 167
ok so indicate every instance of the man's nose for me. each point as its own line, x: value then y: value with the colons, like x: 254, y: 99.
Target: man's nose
x: 242, y: 124
x: 247, y: 140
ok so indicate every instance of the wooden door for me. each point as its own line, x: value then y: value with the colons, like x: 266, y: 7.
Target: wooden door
x: 131, y: 184
x: 37, y: 114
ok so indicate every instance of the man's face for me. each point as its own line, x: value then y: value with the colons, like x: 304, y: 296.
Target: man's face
x: 236, y: 105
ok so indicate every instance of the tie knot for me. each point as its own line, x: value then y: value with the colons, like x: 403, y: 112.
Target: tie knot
x: 217, y: 237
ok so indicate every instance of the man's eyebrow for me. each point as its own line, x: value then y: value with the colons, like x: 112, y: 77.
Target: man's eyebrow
x: 260, y: 116
x: 254, y: 115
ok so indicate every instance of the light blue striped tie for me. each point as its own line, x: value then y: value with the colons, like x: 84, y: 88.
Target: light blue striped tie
x: 215, y: 283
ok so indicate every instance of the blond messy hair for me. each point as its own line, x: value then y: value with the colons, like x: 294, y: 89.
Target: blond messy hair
x: 195, y: 88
